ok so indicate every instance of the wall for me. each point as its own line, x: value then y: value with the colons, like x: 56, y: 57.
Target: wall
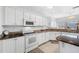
x: 62, y: 21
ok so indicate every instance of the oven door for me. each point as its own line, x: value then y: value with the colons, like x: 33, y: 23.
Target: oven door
x: 31, y: 42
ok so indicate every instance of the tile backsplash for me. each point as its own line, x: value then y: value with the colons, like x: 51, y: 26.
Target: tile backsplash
x: 13, y: 29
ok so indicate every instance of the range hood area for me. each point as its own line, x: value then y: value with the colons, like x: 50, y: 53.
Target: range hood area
x: 39, y: 29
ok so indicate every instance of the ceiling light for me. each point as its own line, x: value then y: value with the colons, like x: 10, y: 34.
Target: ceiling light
x: 49, y: 7
x: 71, y: 17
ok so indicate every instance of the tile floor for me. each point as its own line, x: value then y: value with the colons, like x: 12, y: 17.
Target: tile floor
x: 49, y: 47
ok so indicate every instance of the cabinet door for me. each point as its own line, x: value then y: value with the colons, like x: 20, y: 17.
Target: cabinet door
x: 29, y: 16
x: 43, y: 22
x: 1, y: 49
x: 26, y: 15
x: 47, y: 22
x: 9, y: 46
x: 38, y: 21
x: 57, y: 34
x: 52, y: 35
x: 47, y: 38
x: 20, y: 45
x: 9, y: 16
x: 19, y: 16
x: 32, y: 18
x: 41, y: 38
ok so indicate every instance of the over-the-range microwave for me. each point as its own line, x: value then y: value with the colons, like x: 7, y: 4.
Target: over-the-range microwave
x: 28, y: 23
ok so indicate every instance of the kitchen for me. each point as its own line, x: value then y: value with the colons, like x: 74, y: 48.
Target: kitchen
x: 39, y: 29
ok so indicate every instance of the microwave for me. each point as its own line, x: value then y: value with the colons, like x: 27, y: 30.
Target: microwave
x: 28, y: 23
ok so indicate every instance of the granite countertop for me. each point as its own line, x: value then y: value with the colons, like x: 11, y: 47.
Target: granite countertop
x: 56, y: 30
x: 12, y: 35
x: 68, y: 39
x: 18, y: 34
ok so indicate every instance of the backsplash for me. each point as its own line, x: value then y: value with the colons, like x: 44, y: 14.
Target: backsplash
x: 13, y: 29
x: 38, y: 28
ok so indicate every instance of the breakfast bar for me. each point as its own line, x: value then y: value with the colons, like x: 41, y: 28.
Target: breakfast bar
x: 68, y: 44
x: 18, y: 34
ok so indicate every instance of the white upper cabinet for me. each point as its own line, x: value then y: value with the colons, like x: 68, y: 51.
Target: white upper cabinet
x: 19, y: 16
x: 9, y: 16
x: 38, y: 21
x: 29, y: 16
x: 13, y: 16
x: 45, y: 22
x: 26, y: 15
x: 33, y: 18
x: 41, y: 21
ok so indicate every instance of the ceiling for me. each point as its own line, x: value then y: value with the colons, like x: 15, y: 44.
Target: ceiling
x: 52, y: 11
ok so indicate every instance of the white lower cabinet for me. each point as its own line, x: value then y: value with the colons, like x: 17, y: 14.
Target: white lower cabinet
x: 20, y: 47
x: 8, y: 45
x: 42, y: 37
x: 13, y: 45
x: 1, y: 45
x: 53, y: 35
x: 58, y: 33
x: 47, y: 36
x: 67, y: 48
